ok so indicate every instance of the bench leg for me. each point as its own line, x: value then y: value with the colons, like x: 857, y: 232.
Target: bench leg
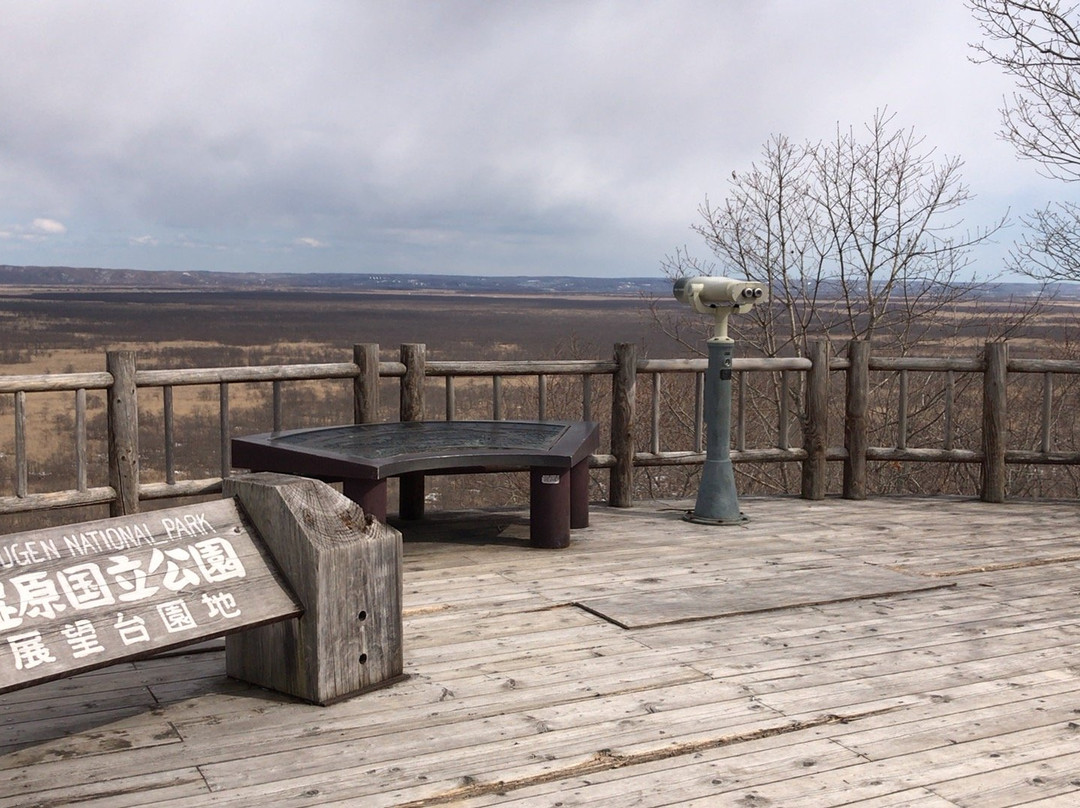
x: 549, y: 508
x: 579, y: 495
x: 411, y: 495
x: 369, y: 495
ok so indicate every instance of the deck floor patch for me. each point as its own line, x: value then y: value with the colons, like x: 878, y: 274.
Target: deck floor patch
x: 811, y: 587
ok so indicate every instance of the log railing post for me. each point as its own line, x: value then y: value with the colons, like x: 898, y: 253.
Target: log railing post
x: 623, y: 399
x: 411, y: 485
x: 816, y: 422
x: 994, y: 422
x: 856, y: 404
x: 414, y: 357
x: 366, y: 384
x: 123, y: 438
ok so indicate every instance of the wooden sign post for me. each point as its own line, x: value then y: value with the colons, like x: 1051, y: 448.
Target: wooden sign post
x: 84, y: 596
x: 345, y: 567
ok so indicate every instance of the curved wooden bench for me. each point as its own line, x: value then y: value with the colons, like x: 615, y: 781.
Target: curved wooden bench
x: 364, y: 456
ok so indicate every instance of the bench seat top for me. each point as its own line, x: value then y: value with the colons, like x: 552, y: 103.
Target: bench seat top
x: 378, y: 451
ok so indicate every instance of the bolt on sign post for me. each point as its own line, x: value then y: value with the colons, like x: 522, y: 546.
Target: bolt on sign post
x: 717, y: 502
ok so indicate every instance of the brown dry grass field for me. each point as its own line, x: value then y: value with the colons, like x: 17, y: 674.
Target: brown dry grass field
x: 57, y: 331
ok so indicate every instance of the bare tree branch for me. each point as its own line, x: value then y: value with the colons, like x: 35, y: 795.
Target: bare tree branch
x: 1037, y: 42
x: 1050, y: 250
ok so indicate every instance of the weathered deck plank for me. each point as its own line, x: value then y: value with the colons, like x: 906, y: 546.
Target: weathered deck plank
x: 957, y: 696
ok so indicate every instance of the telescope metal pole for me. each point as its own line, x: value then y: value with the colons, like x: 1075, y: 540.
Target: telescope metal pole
x: 717, y: 502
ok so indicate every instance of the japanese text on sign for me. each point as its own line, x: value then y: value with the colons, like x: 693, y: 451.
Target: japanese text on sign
x: 113, y: 593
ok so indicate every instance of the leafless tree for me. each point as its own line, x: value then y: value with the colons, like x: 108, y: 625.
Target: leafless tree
x: 857, y: 237
x: 1037, y: 42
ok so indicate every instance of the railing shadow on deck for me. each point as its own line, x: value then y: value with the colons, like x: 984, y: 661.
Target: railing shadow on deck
x: 810, y: 401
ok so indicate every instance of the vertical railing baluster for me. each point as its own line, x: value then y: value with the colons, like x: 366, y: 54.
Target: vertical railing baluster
x: 276, y: 406
x: 1048, y: 397
x: 170, y: 436
x: 783, y: 442
x: 226, y: 448
x: 80, y: 439
x: 20, y: 444
x: 451, y: 399
x: 541, y: 397
x: 901, y: 419
x: 497, y: 398
x: 950, y: 400
x: 654, y: 436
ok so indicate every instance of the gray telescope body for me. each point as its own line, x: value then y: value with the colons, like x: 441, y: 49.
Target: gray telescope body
x: 717, y: 502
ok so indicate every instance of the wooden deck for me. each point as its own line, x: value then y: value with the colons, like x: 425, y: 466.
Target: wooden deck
x: 880, y: 653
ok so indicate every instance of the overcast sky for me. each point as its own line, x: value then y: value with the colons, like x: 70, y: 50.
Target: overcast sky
x: 556, y: 138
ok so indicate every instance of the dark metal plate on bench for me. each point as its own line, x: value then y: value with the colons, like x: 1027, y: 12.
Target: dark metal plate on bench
x: 423, y: 437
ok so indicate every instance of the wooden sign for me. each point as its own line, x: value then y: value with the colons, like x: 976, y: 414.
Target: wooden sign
x: 78, y: 597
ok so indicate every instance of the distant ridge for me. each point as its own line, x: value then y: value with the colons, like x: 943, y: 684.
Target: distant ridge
x: 86, y: 277
x: 104, y: 279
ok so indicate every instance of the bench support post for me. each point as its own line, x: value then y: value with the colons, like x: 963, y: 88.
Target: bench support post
x: 345, y: 568
x: 549, y: 508
x: 411, y: 495
x: 370, y: 495
x: 579, y: 495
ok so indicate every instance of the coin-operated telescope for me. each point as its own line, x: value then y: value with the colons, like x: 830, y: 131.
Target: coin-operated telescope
x: 717, y: 503
x: 720, y: 297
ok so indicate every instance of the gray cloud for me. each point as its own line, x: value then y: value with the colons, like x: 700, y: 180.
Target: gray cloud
x: 555, y: 137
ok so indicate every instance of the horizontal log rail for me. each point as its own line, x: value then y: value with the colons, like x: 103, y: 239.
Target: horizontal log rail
x: 55, y: 382
x: 259, y: 373
x: 802, y: 411
x: 565, y: 367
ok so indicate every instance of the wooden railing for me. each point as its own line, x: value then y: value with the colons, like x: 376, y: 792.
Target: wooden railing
x: 634, y: 434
